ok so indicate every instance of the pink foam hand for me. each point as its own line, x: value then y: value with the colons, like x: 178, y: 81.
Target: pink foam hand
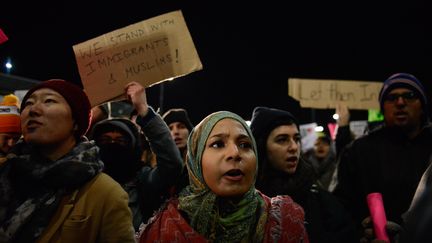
x: 377, y: 212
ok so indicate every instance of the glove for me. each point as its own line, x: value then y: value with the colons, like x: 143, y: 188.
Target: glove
x: 393, y: 229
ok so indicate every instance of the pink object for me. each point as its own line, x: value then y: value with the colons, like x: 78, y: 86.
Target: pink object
x: 332, y: 129
x: 3, y: 37
x: 376, y: 209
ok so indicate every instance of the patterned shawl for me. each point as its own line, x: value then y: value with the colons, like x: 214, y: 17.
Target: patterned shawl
x: 32, y: 186
x: 219, y: 219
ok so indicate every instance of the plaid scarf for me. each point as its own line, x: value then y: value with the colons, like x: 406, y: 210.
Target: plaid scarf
x: 32, y: 186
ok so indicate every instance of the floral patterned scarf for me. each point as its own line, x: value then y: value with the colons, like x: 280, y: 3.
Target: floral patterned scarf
x: 219, y: 219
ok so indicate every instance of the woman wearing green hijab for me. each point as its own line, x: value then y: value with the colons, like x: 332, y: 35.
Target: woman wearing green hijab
x: 221, y: 203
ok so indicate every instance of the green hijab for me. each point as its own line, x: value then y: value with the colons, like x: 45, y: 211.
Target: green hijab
x: 219, y: 219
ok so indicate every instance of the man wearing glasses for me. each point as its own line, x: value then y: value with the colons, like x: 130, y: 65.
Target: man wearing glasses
x: 392, y: 158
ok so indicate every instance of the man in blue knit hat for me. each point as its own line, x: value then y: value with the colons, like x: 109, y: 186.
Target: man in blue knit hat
x: 392, y: 158
x: 404, y: 103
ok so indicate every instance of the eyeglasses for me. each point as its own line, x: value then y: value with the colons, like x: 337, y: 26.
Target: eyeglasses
x: 406, y: 96
x: 107, y: 140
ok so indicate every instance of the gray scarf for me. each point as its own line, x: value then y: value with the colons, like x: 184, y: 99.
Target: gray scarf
x: 31, y: 187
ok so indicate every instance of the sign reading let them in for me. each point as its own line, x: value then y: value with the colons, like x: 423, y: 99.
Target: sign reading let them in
x: 325, y: 94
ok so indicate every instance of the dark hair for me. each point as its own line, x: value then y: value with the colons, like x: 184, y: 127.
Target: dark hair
x: 264, y: 120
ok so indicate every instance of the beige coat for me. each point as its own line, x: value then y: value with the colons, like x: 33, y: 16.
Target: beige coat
x: 98, y: 212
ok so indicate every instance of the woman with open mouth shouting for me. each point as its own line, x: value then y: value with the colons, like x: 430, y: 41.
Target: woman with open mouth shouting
x: 221, y: 203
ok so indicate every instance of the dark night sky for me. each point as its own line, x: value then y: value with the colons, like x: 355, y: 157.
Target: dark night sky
x: 248, y: 52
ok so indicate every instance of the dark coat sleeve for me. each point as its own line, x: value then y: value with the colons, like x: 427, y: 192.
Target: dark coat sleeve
x: 155, y: 182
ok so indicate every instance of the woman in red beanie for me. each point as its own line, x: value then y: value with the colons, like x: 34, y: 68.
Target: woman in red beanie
x: 52, y: 188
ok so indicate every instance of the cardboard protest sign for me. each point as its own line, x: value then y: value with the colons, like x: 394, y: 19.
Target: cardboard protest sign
x: 148, y: 52
x: 324, y: 94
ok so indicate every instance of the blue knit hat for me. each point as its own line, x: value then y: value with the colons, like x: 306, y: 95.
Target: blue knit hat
x: 403, y: 80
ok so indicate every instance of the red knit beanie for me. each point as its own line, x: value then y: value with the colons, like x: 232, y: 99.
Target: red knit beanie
x: 75, y: 97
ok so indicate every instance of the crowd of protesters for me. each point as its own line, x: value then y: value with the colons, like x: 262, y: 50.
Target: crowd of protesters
x: 66, y: 176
